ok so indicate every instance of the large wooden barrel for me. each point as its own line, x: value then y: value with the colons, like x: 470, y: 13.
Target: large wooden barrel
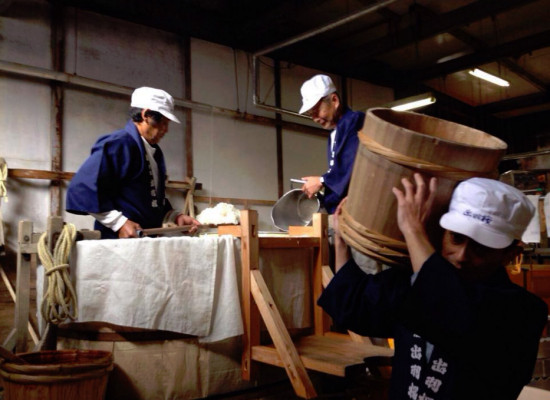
x: 394, y: 145
x: 58, y: 375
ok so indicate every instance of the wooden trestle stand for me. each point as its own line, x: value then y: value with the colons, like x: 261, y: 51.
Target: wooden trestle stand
x: 322, y: 351
x: 27, y: 254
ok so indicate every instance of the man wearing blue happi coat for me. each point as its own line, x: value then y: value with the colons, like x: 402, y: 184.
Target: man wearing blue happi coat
x: 122, y: 183
x: 322, y: 103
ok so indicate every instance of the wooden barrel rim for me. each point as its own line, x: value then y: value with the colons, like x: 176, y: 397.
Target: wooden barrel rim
x: 416, y: 163
x: 397, y: 118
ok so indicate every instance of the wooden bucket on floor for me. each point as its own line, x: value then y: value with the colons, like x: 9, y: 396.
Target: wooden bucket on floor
x: 394, y: 145
x: 58, y: 375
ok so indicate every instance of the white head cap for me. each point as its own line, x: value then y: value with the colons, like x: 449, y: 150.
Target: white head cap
x: 155, y: 100
x: 488, y: 211
x: 314, y: 90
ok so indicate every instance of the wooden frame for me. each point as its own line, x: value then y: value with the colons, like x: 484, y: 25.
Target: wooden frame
x: 322, y: 351
x: 27, y: 254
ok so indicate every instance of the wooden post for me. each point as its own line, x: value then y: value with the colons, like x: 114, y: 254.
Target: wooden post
x: 189, y: 207
x: 17, y: 339
x: 250, y: 256
x: 290, y: 358
x: 320, y: 229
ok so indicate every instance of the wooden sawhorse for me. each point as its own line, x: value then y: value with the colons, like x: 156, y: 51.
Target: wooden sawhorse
x: 27, y: 254
x: 322, y: 351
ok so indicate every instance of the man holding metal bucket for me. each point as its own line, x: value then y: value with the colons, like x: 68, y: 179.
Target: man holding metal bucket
x: 322, y: 103
x: 462, y: 329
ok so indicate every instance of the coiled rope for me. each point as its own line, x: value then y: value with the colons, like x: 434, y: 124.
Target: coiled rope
x: 59, y: 302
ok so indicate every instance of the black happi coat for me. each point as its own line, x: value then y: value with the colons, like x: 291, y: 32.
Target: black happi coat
x: 485, y: 335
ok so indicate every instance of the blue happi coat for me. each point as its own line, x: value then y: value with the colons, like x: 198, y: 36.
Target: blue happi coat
x: 116, y: 176
x: 338, y: 176
x: 483, y: 337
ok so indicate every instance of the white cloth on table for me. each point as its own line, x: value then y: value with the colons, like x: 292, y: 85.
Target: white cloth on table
x: 287, y: 274
x: 120, y: 281
x: 180, y: 284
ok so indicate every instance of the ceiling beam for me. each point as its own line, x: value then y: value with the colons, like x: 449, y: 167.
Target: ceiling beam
x: 363, y: 50
x: 515, y: 48
x: 515, y: 103
x: 279, y: 20
x: 480, y: 45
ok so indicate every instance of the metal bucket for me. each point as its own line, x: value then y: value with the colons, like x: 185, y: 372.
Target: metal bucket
x: 294, y: 208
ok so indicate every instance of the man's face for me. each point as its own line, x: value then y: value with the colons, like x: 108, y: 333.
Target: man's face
x: 474, y: 260
x: 154, y: 131
x: 325, y: 111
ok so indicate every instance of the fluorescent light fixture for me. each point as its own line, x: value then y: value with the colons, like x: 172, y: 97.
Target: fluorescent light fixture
x: 413, y: 102
x: 488, y: 77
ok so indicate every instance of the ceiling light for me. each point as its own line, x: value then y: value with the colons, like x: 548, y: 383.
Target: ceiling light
x: 488, y: 77
x: 413, y: 102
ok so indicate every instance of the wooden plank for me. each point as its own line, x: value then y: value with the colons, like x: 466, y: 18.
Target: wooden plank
x: 283, y: 343
x: 249, y: 261
x: 28, y: 248
x: 300, y: 231
x: 321, y: 320
x: 11, y: 291
x: 22, y: 287
x: 329, y: 355
x: 67, y: 176
x: 187, y: 184
x: 232, y: 200
x: 189, y: 207
x: 281, y: 242
x: 188, y: 94
x: 234, y: 230
x: 39, y: 174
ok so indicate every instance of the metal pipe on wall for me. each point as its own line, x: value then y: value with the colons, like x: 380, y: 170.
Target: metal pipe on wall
x: 42, y: 73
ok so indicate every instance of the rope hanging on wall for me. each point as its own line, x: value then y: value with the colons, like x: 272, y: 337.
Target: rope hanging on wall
x: 60, y: 296
x: 3, y: 195
x: 3, y: 179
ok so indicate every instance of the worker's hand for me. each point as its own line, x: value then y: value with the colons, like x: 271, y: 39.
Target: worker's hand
x: 414, y: 206
x: 129, y: 230
x: 183, y: 219
x: 313, y: 185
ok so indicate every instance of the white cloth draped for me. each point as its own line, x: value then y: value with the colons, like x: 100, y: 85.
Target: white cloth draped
x: 188, y: 285
x: 180, y: 284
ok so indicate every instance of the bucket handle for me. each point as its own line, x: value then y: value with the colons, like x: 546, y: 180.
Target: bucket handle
x: 292, y: 180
